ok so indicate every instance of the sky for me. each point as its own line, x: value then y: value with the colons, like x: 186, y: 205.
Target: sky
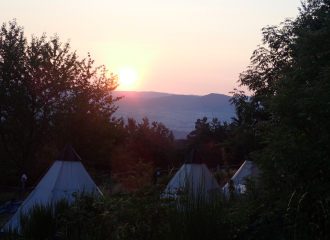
x: 193, y: 47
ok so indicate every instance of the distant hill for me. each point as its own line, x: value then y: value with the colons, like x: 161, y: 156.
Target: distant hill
x: 135, y: 94
x: 177, y: 112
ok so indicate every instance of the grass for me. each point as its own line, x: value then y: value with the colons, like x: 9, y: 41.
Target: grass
x: 144, y: 214
x: 138, y: 214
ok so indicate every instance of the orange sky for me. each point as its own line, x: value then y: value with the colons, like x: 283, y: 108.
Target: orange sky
x: 182, y: 47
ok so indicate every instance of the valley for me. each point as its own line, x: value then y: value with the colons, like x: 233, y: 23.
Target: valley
x: 177, y: 112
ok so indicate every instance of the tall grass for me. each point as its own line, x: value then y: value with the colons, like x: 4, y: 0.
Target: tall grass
x: 39, y: 222
x: 199, y: 217
x: 139, y: 214
x: 145, y: 214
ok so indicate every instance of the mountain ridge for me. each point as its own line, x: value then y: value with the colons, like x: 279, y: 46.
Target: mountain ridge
x: 177, y: 112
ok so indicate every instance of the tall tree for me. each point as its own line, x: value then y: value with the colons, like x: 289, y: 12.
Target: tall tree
x: 151, y: 142
x: 47, y: 95
x: 290, y: 78
x: 210, y: 138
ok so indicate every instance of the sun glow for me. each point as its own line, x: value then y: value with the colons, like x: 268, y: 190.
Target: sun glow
x: 127, y: 78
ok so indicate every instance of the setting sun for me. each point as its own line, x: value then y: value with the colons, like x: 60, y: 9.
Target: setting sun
x: 127, y: 77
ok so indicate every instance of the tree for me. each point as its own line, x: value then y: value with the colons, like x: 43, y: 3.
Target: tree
x: 48, y: 97
x: 290, y: 79
x: 246, y: 128
x: 210, y: 137
x: 151, y: 142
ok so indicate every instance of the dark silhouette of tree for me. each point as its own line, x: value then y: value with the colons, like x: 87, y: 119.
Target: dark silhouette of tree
x: 210, y: 137
x: 49, y: 97
x: 151, y: 142
x: 287, y: 114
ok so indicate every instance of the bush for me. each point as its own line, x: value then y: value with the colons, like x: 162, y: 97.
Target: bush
x: 136, y: 214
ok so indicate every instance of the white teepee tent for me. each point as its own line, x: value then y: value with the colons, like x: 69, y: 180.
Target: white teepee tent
x: 248, y: 169
x: 66, y: 176
x: 193, y: 175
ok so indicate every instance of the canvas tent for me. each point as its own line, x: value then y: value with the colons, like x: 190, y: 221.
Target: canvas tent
x: 193, y: 176
x: 66, y: 176
x: 248, y: 169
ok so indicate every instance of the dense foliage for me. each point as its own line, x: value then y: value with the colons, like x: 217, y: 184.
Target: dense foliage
x: 49, y: 97
x: 289, y: 77
x: 138, y: 214
x: 150, y: 141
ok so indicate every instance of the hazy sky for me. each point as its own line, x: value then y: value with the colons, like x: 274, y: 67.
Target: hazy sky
x: 184, y: 47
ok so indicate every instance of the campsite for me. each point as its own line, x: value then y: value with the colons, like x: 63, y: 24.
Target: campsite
x: 67, y: 191
x: 70, y: 168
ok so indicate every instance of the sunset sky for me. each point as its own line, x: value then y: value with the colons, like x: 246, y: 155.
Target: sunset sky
x: 183, y: 47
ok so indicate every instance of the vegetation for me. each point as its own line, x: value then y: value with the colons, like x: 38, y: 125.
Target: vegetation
x: 290, y: 81
x: 138, y: 214
x: 152, y: 142
x: 48, y: 97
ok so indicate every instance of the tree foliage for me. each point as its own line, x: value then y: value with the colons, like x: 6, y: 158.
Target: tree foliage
x: 49, y: 97
x: 210, y: 137
x: 289, y: 77
x: 151, y: 142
